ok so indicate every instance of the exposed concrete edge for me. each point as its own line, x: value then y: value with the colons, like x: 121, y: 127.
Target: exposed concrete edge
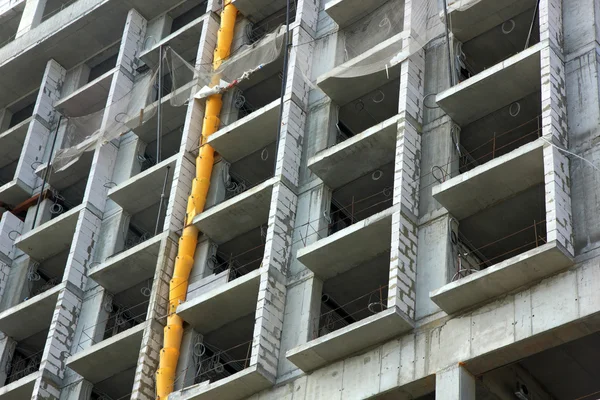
x: 349, y: 340
x: 106, y: 76
x: 28, y: 380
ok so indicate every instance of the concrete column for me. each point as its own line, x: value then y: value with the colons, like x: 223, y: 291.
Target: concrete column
x: 557, y: 178
x: 158, y: 28
x: 186, y: 370
x: 455, y: 383
x: 181, y: 187
x: 45, y: 389
x: 81, y: 390
x: 10, y: 228
x: 111, y: 238
x: 95, y: 310
x: 42, y: 126
x: 7, y: 349
x: 32, y: 16
x: 75, y: 78
x: 127, y: 163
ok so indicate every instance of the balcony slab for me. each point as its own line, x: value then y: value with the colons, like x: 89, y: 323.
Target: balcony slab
x: 89, y: 98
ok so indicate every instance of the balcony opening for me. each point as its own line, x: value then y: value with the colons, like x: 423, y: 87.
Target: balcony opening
x: 170, y: 142
x: 497, y: 44
x: 45, y: 275
x: 127, y: 309
x: 500, y: 232
x: 187, y: 13
x: 500, y: 132
x: 353, y: 295
x: 224, y: 351
x: 240, y: 255
x: 103, y: 64
x: 9, y: 24
x: 361, y: 198
x: 256, y: 31
x: 22, y: 111
x: 67, y: 198
x: 369, y: 110
x: 26, y: 358
x: 374, y: 28
x: 116, y: 387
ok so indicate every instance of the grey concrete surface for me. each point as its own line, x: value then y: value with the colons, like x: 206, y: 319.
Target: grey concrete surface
x: 237, y: 215
x: 21, y: 389
x: 31, y: 316
x: 504, y: 277
x: 110, y: 356
x: 350, y: 339
x: 354, y: 157
x: 510, y: 80
x: 74, y: 173
x: 492, y: 182
x: 256, y: 10
x: 345, y: 12
x: 247, y: 135
x: 15, y: 192
x: 11, y: 142
x: 349, y: 247
x: 87, y: 99
x: 223, y: 304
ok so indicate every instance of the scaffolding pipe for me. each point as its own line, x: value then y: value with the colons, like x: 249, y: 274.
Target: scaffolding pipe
x: 173, y: 331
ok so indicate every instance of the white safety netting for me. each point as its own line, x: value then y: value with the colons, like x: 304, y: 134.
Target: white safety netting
x: 180, y: 83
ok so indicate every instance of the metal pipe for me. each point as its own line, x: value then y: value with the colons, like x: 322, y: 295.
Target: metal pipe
x: 46, y: 173
x: 535, y: 13
x: 159, y: 106
x: 283, y: 80
x: 450, y: 69
x: 162, y: 198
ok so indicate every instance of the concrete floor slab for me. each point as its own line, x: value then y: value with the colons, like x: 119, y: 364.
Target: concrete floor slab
x: 21, y: 389
x: 31, y: 316
x: 502, y: 278
x: 15, y: 192
x: 248, y: 134
x: 184, y: 42
x: 346, y: 89
x: 50, y: 238
x: 72, y: 174
x: 89, y: 98
x: 349, y: 247
x: 223, y: 304
x: 256, y: 10
x: 144, y: 189
x: 492, y: 182
x: 508, y: 81
x: 109, y: 357
x: 127, y: 269
x: 238, y: 386
x: 237, y: 215
x: 173, y: 117
x: 349, y: 340
x: 345, y: 12
x: 11, y: 142
x: 357, y: 156
x: 482, y: 16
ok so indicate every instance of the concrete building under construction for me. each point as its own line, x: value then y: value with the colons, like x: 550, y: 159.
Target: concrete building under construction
x: 299, y: 199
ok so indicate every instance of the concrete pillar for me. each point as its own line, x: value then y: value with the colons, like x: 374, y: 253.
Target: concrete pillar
x: 42, y: 125
x: 10, y: 228
x: 45, y: 389
x: 7, y: 349
x: 44, y: 215
x: 186, y: 368
x: 81, y: 390
x: 158, y: 28
x: 31, y: 17
x: 216, y: 192
x: 111, y: 238
x: 128, y: 163
x: 181, y: 187
x: 455, y: 383
x: 95, y: 310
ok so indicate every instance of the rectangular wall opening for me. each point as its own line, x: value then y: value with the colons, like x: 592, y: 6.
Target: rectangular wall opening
x: 45, y: 275
x: 68, y: 198
x: 499, y: 232
x: 353, y: 295
x: 9, y: 25
x: 361, y: 198
x: 116, y: 387
x: 27, y: 357
x: 497, y: 44
x: 240, y: 255
x: 127, y: 309
x: 500, y: 132
x: 184, y: 16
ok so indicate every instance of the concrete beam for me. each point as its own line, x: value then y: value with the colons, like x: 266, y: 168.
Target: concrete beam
x: 87, y: 99
x: 237, y: 215
x: 11, y: 142
x: 21, y: 389
x: 51, y: 238
x: 130, y: 267
x: 256, y: 10
x: 349, y: 247
x: 31, y: 316
x: 345, y: 12
x: 357, y: 156
x: 184, y: 42
x: 247, y: 135
x: 109, y: 357
x: 344, y: 86
x: 144, y: 189
x: 350, y: 339
x: 227, y: 303
x: 493, y: 181
x: 518, y: 271
x: 510, y: 80
x: 238, y: 386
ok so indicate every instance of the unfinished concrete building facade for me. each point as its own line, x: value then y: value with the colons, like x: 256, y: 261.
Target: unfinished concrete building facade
x: 404, y: 204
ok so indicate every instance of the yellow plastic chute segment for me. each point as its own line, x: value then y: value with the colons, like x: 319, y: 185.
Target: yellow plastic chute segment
x: 173, y: 331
